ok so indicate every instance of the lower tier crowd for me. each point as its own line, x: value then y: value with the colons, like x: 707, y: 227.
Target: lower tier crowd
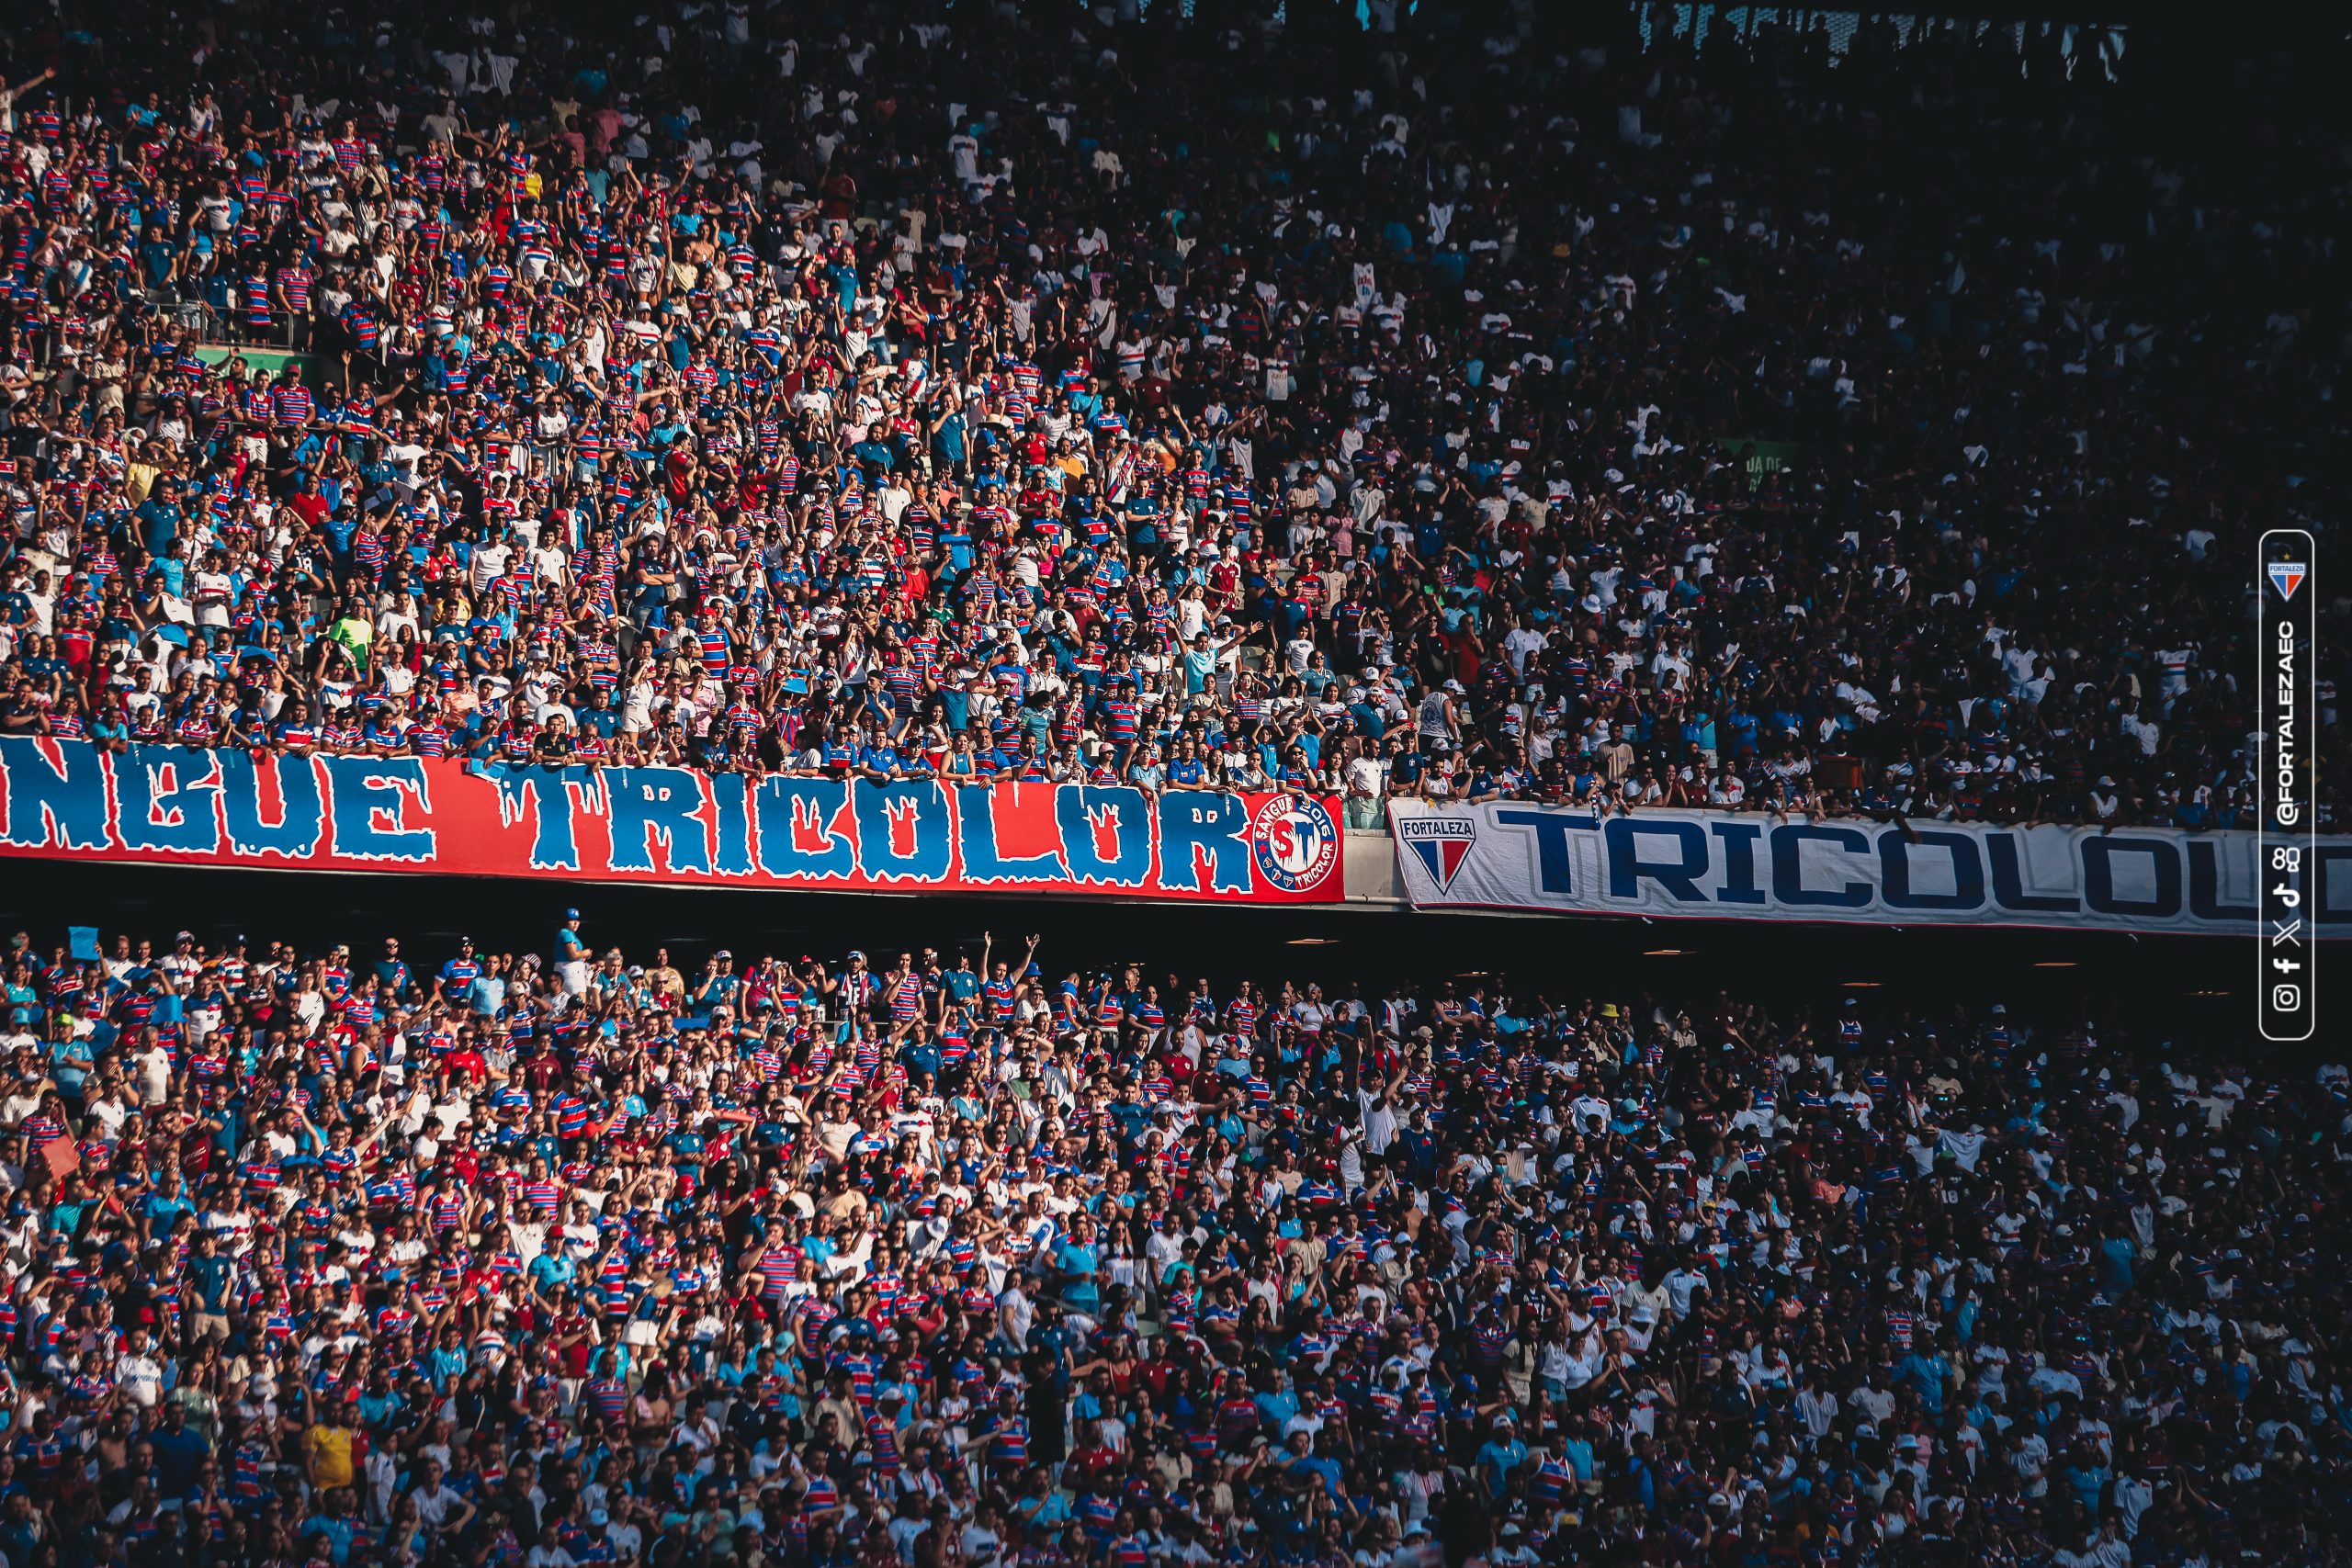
x: 962, y: 1257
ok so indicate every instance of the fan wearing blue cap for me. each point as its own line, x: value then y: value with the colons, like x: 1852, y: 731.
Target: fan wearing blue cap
x: 572, y: 955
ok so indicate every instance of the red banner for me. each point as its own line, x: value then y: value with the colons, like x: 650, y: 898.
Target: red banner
x: 175, y: 805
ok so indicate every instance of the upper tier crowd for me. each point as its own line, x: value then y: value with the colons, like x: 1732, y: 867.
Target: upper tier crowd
x: 1495, y: 407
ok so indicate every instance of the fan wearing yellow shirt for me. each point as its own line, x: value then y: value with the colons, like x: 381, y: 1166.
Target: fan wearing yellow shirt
x: 326, y: 1449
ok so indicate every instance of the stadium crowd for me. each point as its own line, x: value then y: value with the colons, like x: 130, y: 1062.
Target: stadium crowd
x: 1481, y: 402
x: 1000, y: 391
x: 474, y: 1257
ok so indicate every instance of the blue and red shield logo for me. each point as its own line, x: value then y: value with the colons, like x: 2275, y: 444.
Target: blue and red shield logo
x: 1440, y: 843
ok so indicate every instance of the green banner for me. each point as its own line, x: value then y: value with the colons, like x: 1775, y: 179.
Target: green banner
x: 318, y: 370
x: 1761, y: 457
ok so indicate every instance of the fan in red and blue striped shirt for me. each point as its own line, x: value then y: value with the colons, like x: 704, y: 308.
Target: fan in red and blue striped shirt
x: 290, y: 403
x: 294, y: 281
x: 717, y: 647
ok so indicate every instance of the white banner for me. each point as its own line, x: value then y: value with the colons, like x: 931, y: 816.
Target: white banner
x: 1750, y: 866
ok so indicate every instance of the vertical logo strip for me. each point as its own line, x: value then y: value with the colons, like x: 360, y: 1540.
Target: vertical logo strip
x: 2287, y: 819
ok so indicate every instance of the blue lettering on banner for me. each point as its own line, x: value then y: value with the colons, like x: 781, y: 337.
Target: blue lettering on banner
x: 2330, y: 855
x: 794, y: 819
x: 301, y: 813
x: 902, y: 831
x: 1196, y: 825
x: 165, y: 797
x: 1788, y: 867
x: 1679, y: 876
x: 2205, y: 886
x: 1553, y: 866
x: 976, y: 842
x: 367, y: 808
x: 1738, y: 839
x: 2098, y: 878
x: 1683, y: 861
x: 70, y: 798
x: 544, y: 795
x: 730, y: 803
x: 647, y: 806
x: 2008, y: 884
x: 1086, y: 814
x: 55, y: 805
x: 1895, y: 852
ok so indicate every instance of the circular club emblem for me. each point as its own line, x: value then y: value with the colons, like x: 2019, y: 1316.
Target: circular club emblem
x: 1294, y: 841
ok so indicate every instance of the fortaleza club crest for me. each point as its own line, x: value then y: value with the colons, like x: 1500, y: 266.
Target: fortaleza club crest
x: 1440, y: 843
x: 1294, y: 841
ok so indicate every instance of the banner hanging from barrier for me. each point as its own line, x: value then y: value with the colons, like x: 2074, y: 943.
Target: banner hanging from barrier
x: 1755, y: 866
x: 673, y: 825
